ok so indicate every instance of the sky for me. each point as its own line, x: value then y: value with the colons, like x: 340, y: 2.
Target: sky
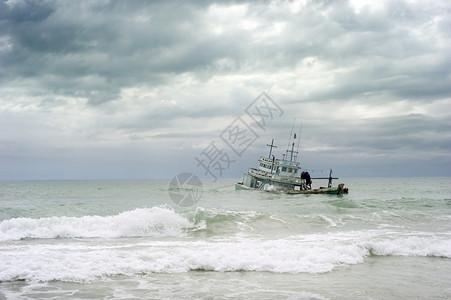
x: 152, y: 89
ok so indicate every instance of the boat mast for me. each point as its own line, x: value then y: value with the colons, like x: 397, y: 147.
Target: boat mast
x: 271, y: 146
x: 292, y: 151
x: 329, y: 185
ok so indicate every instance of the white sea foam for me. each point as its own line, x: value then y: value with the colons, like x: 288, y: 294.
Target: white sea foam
x: 72, y: 262
x: 278, y: 219
x: 412, y: 246
x: 211, y: 212
x: 331, y: 221
x: 86, y: 260
x: 154, y: 221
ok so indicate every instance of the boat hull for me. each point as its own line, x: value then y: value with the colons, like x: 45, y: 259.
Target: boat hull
x: 328, y: 191
x: 240, y: 187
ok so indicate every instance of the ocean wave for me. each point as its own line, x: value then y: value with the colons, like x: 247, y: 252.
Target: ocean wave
x: 412, y: 246
x: 220, y: 222
x: 221, y: 217
x: 86, y: 260
x: 75, y: 262
x: 155, y: 221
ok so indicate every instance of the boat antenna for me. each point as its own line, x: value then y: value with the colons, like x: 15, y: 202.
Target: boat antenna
x: 292, y: 143
x: 291, y: 134
x: 271, y: 146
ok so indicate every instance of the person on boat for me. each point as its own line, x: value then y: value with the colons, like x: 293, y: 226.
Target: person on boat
x: 308, y: 180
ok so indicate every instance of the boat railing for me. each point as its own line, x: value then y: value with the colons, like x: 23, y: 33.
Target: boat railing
x: 262, y: 185
x: 288, y: 179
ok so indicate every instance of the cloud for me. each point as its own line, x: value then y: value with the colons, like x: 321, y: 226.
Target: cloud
x: 366, y: 78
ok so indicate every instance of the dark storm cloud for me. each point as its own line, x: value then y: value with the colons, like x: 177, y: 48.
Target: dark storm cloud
x: 398, y: 50
x: 93, y: 49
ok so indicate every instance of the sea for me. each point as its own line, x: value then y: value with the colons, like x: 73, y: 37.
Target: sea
x: 389, y: 238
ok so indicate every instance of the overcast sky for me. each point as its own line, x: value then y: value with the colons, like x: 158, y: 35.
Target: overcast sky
x: 145, y: 89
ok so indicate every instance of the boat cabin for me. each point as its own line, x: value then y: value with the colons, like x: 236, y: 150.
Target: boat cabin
x: 278, y: 166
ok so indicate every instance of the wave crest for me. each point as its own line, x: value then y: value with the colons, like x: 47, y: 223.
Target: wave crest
x: 155, y: 221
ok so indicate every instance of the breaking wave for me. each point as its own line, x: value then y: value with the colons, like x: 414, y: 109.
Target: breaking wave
x: 85, y: 260
x: 201, y: 240
x: 155, y: 221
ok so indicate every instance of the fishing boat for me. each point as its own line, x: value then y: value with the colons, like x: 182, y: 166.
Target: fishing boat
x: 281, y: 175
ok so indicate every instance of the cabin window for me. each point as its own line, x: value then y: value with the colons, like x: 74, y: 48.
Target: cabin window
x: 284, y: 169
